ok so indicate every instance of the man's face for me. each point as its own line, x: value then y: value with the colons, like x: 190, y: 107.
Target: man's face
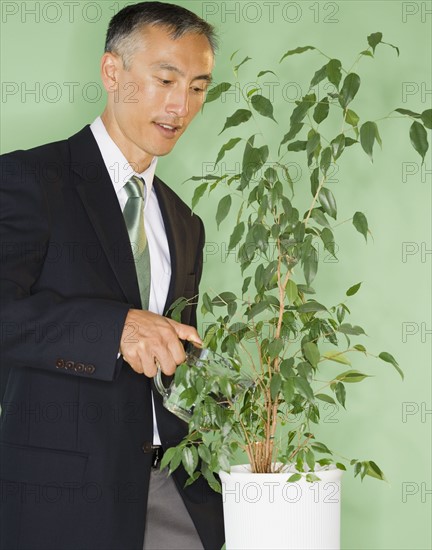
x: 154, y: 101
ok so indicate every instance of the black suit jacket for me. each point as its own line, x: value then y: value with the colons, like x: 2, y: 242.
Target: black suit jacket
x: 74, y: 416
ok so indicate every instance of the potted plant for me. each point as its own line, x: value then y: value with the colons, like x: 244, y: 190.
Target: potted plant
x: 293, y: 348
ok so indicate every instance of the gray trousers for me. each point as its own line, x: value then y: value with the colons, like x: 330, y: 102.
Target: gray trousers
x: 168, y: 525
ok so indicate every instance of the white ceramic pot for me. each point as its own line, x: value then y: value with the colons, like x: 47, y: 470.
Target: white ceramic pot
x: 263, y: 511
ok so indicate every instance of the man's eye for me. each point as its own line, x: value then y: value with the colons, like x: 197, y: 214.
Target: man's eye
x: 165, y: 82
x: 197, y: 90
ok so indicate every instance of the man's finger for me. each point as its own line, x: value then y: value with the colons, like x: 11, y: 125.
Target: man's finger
x: 186, y: 332
x: 166, y: 362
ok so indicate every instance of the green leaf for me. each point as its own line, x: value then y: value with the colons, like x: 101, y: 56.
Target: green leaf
x: 237, y: 327
x: 224, y: 298
x: 408, y: 113
x: 236, y: 235
x: 353, y: 290
x: 349, y: 141
x: 291, y: 291
x: 246, y: 284
x: 255, y: 309
x: 288, y: 390
x: 340, y: 392
x: 260, y: 236
x: 373, y: 470
x: 271, y: 175
x: 304, y: 388
x: 198, y: 193
x: 310, y: 459
x: 368, y: 134
x: 312, y: 354
x: 319, y: 217
x: 361, y: 224
x: 223, y: 209
x: 418, y: 136
x: 251, y: 92
x: 349, y: 89
x: 296, y: 51
x: 294, y: 130
x: 319, y: 75
x: 227, y: 147
x: 302, y: 108
x: 210, y: 478
x: 297, y: 146
x: 262, y: 73
x: 354, y: 330
x: 263, y: 106
x: 311, y: 306
x: 321, y: 110
x: 338, y: 145
x: 388, y: 358
x: 352, y: 376
x: 304, y: 289
x: 426, y: 117
x: 328, y: 240
x: 310, y: 266
x: 391, y: 45
x: 176, y: 309
x: 253, y: 159
x: 314, y: 179
x: 234, y: 54
x: 313, y: 142
x: 334, y: 73
x: 352, y: 118
x: 167, y: 456
x: 374, y: 39
x: 275, y: 384
x: 328, y: 202
x: 217, y: 91
x: 190, y: 459
x: 207, y: 303
x: 359, y: 347
x: 366, y: 52
x: 237, y: 67
x: 311, y: 478
x: 325, y: 160
x: 326, y: 398
x: 320, y: 448
x: 337, y: 357
x: 275, y: 347
x: 240, y: 116
x: 293, y: 478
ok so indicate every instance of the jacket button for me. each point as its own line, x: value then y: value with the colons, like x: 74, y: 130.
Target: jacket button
x: 147, y: 447
x: 59, y: 364
x: 79, y: 367
x: 90, y: 369
x: 69, y: 365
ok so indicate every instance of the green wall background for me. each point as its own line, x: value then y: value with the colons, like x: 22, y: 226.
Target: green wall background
x: 53, y: 48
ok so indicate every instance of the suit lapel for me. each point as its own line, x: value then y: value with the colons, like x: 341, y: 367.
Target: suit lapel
x: 175, y: 231
x: 100, y: 201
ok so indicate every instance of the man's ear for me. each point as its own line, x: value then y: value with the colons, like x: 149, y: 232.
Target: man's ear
x: 110, y: 66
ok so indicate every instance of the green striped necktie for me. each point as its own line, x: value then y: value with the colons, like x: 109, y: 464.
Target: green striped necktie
x: 134, y: 217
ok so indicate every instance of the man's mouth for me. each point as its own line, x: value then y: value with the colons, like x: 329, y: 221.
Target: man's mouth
x: 168, y: 129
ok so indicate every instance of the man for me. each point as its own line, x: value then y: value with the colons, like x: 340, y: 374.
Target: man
x: 94, y: 250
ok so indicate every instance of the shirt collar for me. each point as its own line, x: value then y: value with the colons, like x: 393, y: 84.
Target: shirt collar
x: 118, y: 167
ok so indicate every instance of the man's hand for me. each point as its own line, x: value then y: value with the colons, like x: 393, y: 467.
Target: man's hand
x: 148, y: 338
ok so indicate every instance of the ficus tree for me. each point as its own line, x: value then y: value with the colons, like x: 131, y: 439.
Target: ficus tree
x: 276, y: 330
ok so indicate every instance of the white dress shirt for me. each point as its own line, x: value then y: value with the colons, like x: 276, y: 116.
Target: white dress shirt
x: 120, y: 172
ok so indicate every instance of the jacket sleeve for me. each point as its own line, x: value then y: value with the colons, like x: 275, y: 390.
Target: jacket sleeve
x: 40, y: 328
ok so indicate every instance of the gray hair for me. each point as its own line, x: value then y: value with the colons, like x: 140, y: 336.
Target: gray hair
x: 123, y: 27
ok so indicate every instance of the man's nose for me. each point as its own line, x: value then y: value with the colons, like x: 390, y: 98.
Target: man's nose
x: 178, y: 103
